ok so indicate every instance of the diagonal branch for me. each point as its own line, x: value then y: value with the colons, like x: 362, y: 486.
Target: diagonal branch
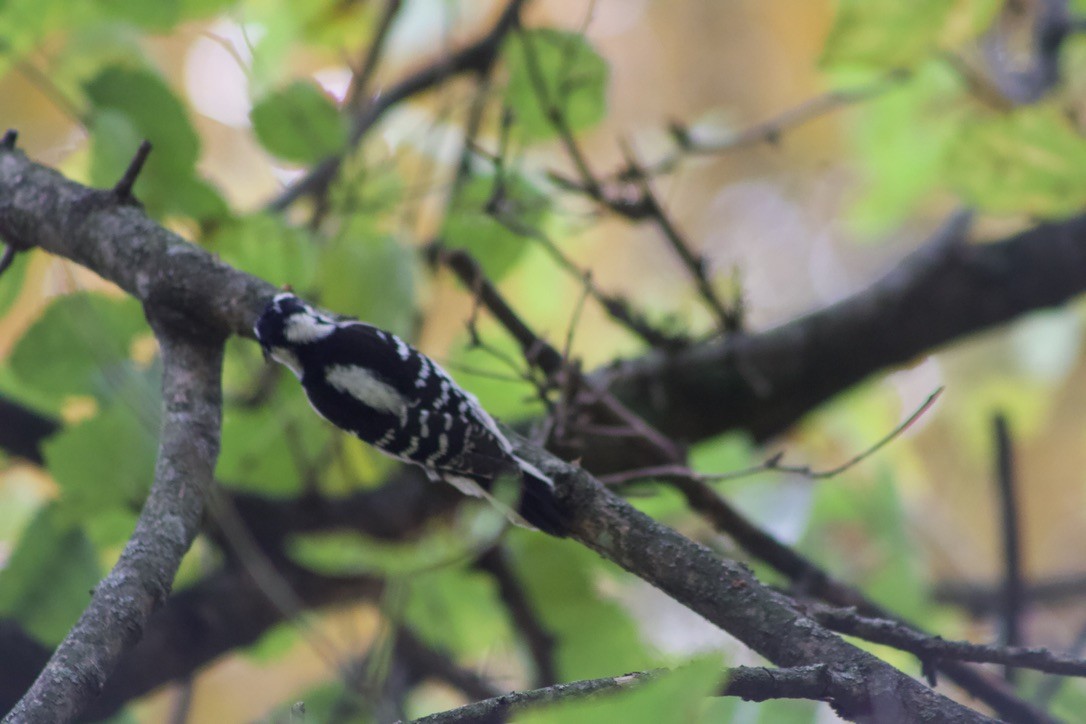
x: 477, y: 57
x: 948, y: 289
x: 750, y: 683
x: 935, y: 648
x: 728, y: 595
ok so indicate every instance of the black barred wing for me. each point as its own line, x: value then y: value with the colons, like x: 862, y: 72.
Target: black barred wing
x: 372, y: 383
x: 394, y: 397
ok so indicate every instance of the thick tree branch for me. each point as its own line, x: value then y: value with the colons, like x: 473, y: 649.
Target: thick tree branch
x: 141, y: 580
x: 726, y: 594
x: 948, y: 289
x: 41, y: 208
x: 812, y: 581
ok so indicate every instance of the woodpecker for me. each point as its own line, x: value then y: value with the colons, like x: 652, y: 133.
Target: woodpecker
x: 374, y: 385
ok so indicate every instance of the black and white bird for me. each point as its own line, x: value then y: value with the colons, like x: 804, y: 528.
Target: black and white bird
x: 373, y: 384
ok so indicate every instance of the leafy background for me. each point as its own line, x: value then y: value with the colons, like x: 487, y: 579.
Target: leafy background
x: 239, y: 97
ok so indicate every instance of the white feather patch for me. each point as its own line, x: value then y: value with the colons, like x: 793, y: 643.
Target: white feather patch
x: 467, y: 486
x: 288, y: 358
x: 363, y: 385
x: 306, y: 328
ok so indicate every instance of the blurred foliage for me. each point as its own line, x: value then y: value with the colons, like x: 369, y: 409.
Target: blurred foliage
x: 299, y: 123
x: 114, y: 71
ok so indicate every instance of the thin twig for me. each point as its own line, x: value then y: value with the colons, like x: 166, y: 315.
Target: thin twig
x: 773, y: 129
x: 475, y: 57
x: 934, y: 648
x: 695, y: 263
x: 772, y: 464
x: 555, y: 115
x: 816, y: 582
x: 750, y: 683
x: 123, y: 189
x: 1013, y: 587
x: 360, y: 79
x: 541, y: 354
x: 618, y: 308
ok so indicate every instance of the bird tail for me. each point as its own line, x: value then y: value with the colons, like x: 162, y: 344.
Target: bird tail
x: 538, y: 504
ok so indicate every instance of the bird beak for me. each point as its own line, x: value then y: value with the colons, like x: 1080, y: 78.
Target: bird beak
x: 267, y: 354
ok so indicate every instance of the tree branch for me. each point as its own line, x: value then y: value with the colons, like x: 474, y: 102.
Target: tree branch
x: 476, y: 57
x: 930, y: 649
x: 726, y: 594
x: 141, y: 580
x: 765, y: 382
x: 750, y: 683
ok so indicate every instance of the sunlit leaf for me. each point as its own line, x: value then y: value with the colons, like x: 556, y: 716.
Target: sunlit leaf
x: 46, y: 583
x: 457, y: 610
x: 890, y: 34
x: 162, y: 15
x: 26, y: 23
x: 152, y: 108
x: 104, y: 463
x: 596, y: 636
x: 272, y: 448
x: 299, y: 123
x: 494, y: 218
x: 1031, y: 161
x: 132, y: 105
x: 266, y: 246
x: 342, y: 553
x: 902, y: 139
x: 79, y: 346
x: 554, y: 69
x: 371, y: 277
x: 844, y: 519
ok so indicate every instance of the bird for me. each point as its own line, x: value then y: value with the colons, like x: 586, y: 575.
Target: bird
x: 371, y: 383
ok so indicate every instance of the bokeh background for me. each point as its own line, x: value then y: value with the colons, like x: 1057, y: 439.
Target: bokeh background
x: 818, y: 213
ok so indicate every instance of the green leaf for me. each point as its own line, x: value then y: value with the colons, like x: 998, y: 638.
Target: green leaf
x: 457, y: 610
x: 269, y: 449
x: 160, y: 15
x: 841, y: 517
x: 596, y: 636
x: 675, y: 697
x: 370, y: 277
x: 79, y: 346
x: 104, y: 463
x: 131, y: 105
x: 565, y: 70
x: 24, y: 24
x: 266, y: 246
x: 1032, y: 160
x: 299, y: 123
x: 492, y: 219
x: 46, y: 582
x: 341, y: 553
x: 153, y: 110
x: 902, y: 139
x: 895, y: 34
